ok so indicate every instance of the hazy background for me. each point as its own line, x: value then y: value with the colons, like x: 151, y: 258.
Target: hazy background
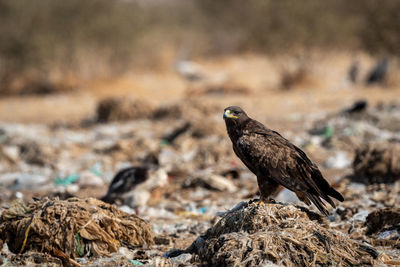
x: 52, y: 46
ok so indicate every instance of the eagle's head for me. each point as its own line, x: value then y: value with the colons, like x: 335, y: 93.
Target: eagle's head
x: 234, y: 113
x: 234, y: 118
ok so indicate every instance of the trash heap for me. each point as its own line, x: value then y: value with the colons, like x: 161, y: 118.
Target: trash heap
x: 72, y: 228
x: 259, y: 234
x: 377, y: 163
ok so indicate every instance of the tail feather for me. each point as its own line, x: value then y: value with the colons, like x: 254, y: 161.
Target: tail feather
x: 332, y: 192
x: 318, y: 203
x: 326, y: 188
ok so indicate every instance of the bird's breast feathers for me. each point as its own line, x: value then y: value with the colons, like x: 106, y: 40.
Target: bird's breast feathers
x: 263, y: 150
x: 251, y: 144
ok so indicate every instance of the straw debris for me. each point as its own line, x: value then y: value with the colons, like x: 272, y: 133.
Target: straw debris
x: 122, y: 109
x: 282, y: 234
x: 74, y: 227
x: 379, y: 219
x: 377, y: 163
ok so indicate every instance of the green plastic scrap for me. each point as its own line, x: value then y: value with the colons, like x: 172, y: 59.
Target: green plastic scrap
x: 70, y: 179
x: 164, y: 143
x: 96, y: 169
x: 328, y: 132
x: 135, y: 262
x: 80, y: 246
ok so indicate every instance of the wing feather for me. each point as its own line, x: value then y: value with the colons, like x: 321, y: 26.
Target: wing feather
x: 266, y: 152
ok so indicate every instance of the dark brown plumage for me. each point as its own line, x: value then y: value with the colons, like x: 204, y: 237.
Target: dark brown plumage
x: 275, y: 161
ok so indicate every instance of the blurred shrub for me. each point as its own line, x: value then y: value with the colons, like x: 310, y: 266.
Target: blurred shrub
x: 57, y: 40
x: 380, y: 31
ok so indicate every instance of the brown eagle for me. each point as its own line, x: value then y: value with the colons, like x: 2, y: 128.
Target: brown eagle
x: 275, y: 161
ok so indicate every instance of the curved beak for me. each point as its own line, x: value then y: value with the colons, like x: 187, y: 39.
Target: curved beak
x: 228, y: 114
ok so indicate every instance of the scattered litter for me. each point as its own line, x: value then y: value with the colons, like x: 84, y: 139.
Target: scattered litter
x: 170, y: 137
x: 287, y: 196
x: 361, y: 216
x: 358, y: 106
x: 70, y: 179
x: 339, y: 160
x: 31, y: 181
x: 182, y: 201
x: 11, y: 152
x: 135, y: 262
x: 211, y: 181
x: 183, y: 259
x: 89, y: 179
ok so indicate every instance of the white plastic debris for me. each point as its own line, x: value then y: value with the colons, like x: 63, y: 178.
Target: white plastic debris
x: 287, y: 196
x: 361, y: 216
x: 11, y: 152
x: 89, y: 179
x: 183, y: 259
x: 339, y: 160
x: 31, y: 181
x: 220, y: 183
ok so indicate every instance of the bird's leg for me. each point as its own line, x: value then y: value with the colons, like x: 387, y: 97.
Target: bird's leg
x: 271, y: 200
x: 262, y: 201
x: 268, y: 188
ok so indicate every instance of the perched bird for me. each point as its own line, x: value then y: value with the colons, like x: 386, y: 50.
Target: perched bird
x: 275, y: 161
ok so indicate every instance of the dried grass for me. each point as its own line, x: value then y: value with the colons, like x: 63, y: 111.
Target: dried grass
x: 122, y: 109
x: 76, y: 227
x: 282, y: 234
x: 377, y: 163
